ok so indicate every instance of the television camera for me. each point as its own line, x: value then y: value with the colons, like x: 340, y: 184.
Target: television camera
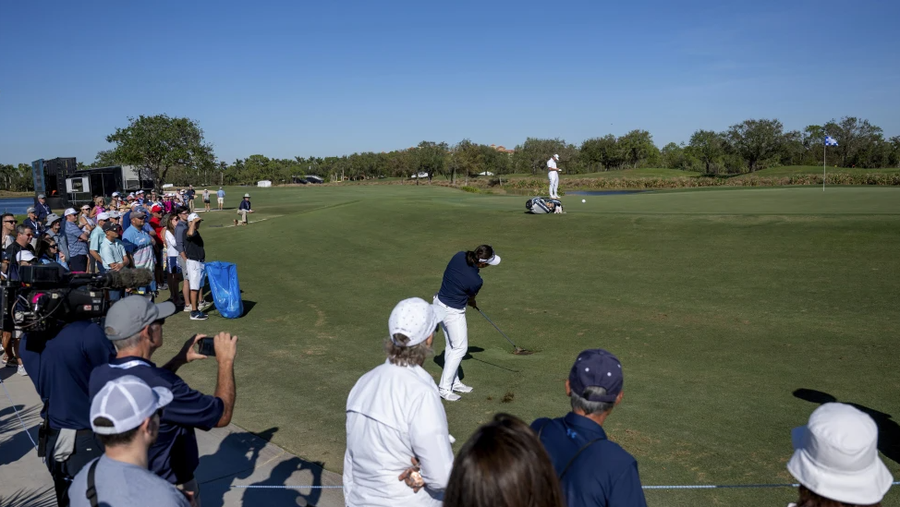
x: 46, y: 297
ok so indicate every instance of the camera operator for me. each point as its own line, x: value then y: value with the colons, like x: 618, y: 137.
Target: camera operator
x: 60, y: 368
x: 134, y: 326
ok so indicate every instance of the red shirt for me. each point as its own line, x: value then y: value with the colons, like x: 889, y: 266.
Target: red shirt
x: 160, y: 230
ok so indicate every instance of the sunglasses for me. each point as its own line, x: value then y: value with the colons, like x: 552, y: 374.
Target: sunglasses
x: 10, y: 221
x: 52, y: 246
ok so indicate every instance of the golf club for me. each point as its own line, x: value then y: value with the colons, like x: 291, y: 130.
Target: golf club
x: 519, y: 351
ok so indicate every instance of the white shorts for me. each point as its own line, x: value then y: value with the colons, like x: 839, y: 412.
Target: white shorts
x: 196, y: 270
x: 221, y: 200
x: 182, y: 263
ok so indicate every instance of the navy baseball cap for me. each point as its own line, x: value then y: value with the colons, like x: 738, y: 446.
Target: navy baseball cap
x: 598, y: 368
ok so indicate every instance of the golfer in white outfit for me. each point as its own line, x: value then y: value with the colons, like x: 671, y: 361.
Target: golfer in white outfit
x: 553, y: 176
x: 459, y: 288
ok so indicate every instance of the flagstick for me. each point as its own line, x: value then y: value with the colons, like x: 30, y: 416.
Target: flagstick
x: 824, y: 146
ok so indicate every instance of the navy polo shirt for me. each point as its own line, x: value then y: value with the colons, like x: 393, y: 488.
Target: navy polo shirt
x: 61, y: 371
x: 174, y: 456
x: 42, y: 210
x: 604, y: 474
x: 461, y: 282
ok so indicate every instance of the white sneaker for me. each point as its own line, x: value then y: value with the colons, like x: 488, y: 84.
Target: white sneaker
x: 187, y: 309
x: 206, y: 305
x: 459, y: 387
x: 449, y: 395
x: 21, y: 371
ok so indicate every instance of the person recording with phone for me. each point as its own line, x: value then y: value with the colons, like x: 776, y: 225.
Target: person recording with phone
x: 134, y: 326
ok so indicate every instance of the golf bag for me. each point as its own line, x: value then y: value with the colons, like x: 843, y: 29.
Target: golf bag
x: 541, y: 206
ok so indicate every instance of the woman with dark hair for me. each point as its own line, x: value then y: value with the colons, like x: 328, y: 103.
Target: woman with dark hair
x: 460, y: 286
x: 173, y: 269
x: 503, y: 465
x: 48, y: 252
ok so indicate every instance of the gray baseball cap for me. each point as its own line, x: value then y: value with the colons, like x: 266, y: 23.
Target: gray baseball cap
x: 128, y: 316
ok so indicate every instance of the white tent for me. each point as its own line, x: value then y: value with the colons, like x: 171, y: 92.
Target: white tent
x: 264, y: 183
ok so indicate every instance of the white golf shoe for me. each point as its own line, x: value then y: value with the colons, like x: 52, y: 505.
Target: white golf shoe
x: 449, y: 395
x: 459, y: 387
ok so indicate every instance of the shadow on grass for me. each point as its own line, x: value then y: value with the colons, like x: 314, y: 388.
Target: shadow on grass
x: 248, y: 305
x: 439, y: 360
x: 888, y: 429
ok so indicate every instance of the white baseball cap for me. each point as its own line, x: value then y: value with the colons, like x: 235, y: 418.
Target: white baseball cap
x: 70, y: 211
x: 192, y: 217
x: 25, y: 255
x: 126, y: 402
x: 103, y: 216
x: 836, y: 456
x: 556, y: 156
x: 115, y: 194
x: 416, y: 319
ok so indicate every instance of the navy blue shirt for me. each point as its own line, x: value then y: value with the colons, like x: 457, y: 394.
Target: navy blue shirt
x: 603, y: 474
x: 174, y: 456
x: 245, y: 204
x: 461, y: 282
x: 61, y: 371
x: 42, y: 210
x: 36, y: 226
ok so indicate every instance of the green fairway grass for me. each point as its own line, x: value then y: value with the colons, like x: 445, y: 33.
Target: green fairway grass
x: 720, y: 305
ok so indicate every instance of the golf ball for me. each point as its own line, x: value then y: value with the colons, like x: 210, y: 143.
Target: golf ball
x: 583, y: 200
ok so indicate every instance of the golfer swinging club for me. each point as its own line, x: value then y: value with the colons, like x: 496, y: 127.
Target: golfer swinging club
x: 459, y: 288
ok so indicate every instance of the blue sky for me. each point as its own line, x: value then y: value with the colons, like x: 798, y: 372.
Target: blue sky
x: 299, y: 78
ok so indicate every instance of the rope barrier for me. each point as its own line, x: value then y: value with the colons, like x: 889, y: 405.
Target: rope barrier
x: 19, y: 417
x: 689, y: 486
x: 279, y: 486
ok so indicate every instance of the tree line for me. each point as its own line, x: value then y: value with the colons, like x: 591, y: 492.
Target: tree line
x: 173, y: 150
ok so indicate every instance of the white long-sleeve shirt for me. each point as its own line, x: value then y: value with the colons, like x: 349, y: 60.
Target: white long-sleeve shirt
x: 395, y: 413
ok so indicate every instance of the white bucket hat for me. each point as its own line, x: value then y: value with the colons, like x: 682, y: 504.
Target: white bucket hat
x: 836, y: 456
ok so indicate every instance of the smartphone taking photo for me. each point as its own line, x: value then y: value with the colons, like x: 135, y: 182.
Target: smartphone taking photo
x: 206, y: 347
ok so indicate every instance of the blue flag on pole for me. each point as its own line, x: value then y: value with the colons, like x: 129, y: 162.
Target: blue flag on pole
x: 830, y: 141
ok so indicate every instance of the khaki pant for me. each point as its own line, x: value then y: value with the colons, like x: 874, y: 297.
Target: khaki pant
x: 191, y: 486
x: 243, y: 214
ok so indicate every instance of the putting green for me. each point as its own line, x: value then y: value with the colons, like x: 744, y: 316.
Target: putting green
x: 720, y: 304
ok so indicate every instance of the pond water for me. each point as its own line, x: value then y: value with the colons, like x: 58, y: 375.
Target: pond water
x: 603, y: 192
x: 16, y: 205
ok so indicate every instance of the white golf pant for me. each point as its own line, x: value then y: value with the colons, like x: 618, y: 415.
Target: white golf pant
x: 554, y: 183
x: 456, y: 332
